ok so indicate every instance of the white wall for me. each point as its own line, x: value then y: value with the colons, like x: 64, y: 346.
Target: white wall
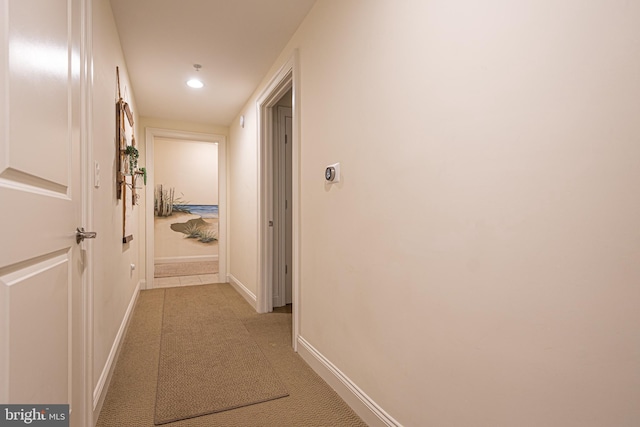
x: 113, y: 281
x: 490, y: 276
x: 243, y: 201
x: 180, y: 125
x: 191, y: 167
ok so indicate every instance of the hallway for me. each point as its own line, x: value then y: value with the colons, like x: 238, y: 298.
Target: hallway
x: 130, y: 400
x: 476, y: 263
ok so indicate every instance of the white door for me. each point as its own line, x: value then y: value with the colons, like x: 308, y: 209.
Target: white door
x: 41, y: 266
x: 282, y: 192
x: 288, y: 187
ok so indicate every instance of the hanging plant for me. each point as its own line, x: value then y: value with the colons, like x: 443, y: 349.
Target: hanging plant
x: 133, y: 154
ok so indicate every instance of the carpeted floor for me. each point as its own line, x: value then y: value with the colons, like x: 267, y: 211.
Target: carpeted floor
x: 195, y: 268
x: 208, y: 360
x: 131, y: 397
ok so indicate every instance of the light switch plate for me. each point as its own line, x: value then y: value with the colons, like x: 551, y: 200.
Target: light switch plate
x: 96, y: 174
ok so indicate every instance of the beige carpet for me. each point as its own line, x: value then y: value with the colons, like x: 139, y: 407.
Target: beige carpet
x: 195, y: 268
x: 131, y: 397
x: 208, y: 360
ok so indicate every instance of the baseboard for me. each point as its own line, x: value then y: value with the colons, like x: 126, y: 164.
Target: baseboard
x: 370, y: 412
x: 195, y: 258
x: 100, y: 392
x: 242, y: 290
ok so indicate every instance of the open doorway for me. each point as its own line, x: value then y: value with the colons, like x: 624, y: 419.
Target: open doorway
x: 282, y: 196
x: 272, y: 252
x: 185, y: 215
x: 186, y: 211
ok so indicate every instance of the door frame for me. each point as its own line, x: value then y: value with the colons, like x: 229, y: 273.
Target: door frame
x: 150, y: 135
x: 287, y: 77
x: 87, y: 217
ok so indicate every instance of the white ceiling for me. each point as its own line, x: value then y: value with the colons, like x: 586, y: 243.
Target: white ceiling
x: 235, y: 41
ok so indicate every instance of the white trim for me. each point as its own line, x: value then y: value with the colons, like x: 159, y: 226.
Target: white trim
x: 4, y: 84
x: 284, y: 79
x: 87, y: 157
x: 195, y: 258
x: 223, y: 223
x: 100, y: 392
x: 150, y: 135
x: 296, y: 205
x: 370, y: 412
x: 242, y: 290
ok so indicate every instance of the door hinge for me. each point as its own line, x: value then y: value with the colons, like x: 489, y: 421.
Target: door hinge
x: 286, y: 138
x: 286, y: 269
x: 286, y: 204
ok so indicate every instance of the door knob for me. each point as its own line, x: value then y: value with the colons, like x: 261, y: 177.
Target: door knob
x: 81, y: 234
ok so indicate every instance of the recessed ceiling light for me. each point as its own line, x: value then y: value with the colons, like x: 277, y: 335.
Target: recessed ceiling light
x: 195, y: 83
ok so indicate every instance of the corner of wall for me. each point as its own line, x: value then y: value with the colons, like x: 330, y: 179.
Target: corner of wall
x: 370, y: 412
x: 243, y: 290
